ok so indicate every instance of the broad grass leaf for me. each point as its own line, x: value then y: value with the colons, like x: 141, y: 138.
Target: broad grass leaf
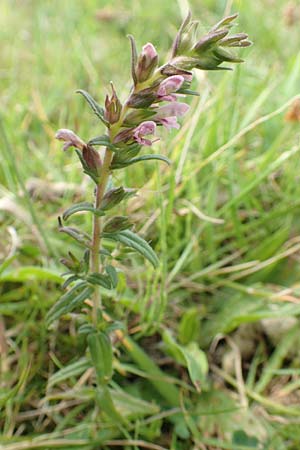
x: 191, y: 357
x: 27, y: 273
x: 69, y: 371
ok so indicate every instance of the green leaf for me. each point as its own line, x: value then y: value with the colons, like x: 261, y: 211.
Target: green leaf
x: 137, y: 116
x: 69, y: 281
x: 129, y: 162
x: 28, y: 273
x: 243, y: 439
x: 78, y: 235
x: 197, y: 365
x: 113, y: 275
x: 117, y: 223
x: 134, y: 58
x: 114, y: 196
x: 104, y: 141
x: 78, y: 207
x: 190, y: 356
x: 188, y: 330
x: 99, y: 279
x: 72, y: 370
x: 188, y: 92
x: 102, y: 356
x: 126, y: 154
x: 69, y: 301
x: 132, y: 240
x: 6, y: 263
x: 98, y: 110
x: 134, y: 407
x: 86, y: 328
x: 105, y: 402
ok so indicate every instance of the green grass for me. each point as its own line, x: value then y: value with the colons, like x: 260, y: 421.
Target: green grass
x: 224, y: 220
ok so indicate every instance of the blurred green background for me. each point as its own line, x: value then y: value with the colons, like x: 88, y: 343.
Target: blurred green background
x: 224, y: 220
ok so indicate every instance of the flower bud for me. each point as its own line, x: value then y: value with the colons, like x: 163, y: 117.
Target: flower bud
x: 117, y: 223
x: 72, y: 263
x: 113, y: 107
x: 209, y: 40
x: 147, y: 63
x: 187, y: 39
x: 142, y: 99
x: 92, y: 159
x: 70, y: 138
x: 172, y: 69
x: 206, y: 53
x: 114, y: 196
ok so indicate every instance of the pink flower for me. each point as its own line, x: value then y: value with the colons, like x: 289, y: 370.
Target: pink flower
x: 170, y: 122
x: 142, y: 130
x: 149, y: 51
x: 188, y: 77
x: 71, y: 139
x: 170, y: 85
x: 147, y: 62
x: 172, y: 109
x: 167, y: 115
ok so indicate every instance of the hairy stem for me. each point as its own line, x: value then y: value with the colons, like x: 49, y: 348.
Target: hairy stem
x: 95, y: 251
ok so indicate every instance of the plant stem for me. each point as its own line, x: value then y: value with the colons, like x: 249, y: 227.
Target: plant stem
x: 95, y: 252
x: 100, y: 190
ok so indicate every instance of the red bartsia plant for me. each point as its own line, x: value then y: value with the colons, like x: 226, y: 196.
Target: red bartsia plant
x: 155, y: 101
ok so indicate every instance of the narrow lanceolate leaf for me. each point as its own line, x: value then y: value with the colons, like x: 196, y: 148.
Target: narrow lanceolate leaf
x: 84, y: 206
x: 133, y: 58
x: 188, y: 92
x: 79, y: 236
x: 69, y: 301
x: 102, y: 356
x: 100, y: 280
x: 104, y: 141
x: 69, y: 280
x: 120, y: 165
x: 126, y: 153
x: 72, y: 370
x: 132, y: 240
x: 98, y: 110
x: 113, y: 275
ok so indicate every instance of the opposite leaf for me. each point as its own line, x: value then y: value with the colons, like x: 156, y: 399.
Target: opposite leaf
x: 69, y: 301
x: 98, y: 110
x: 134, y: 241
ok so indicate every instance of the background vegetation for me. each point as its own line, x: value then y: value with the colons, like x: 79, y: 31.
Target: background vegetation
x: 224, y: 220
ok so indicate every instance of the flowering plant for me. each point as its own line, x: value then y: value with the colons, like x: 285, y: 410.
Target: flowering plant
x: 154, y: 101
